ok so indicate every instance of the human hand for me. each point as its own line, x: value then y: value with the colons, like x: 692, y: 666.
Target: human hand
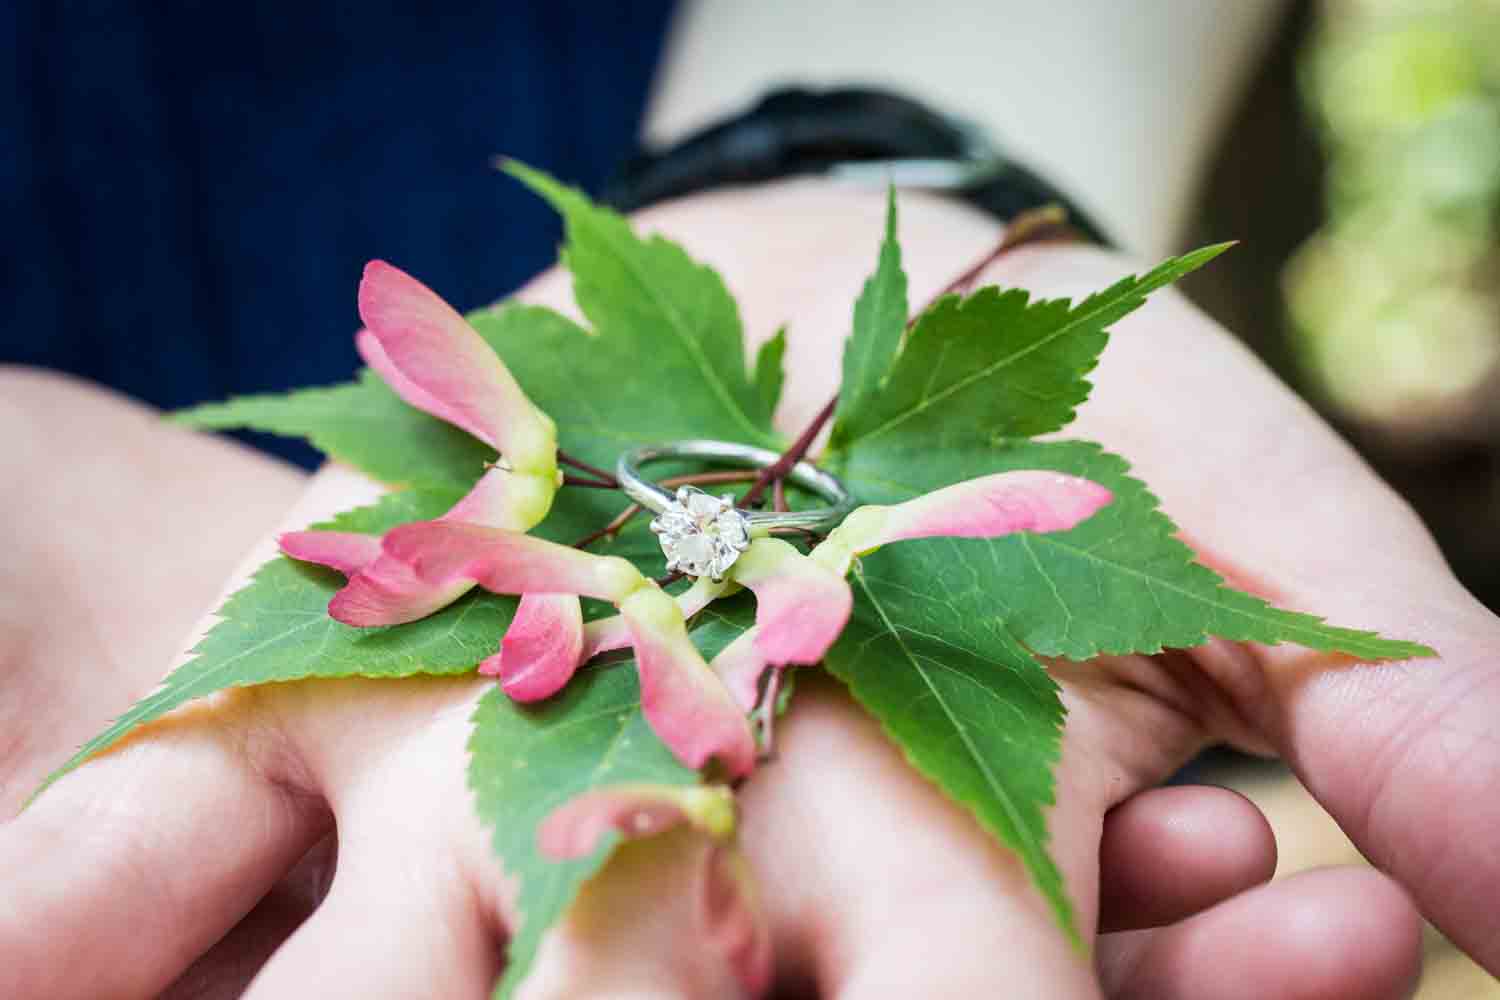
x: 119, y: 532
x: 874, y: 883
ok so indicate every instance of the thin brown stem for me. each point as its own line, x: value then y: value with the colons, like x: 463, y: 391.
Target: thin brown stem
x: 593, y: 470
x: 705, y: 478
x: 670, y: 578
x: 612, y: 528
x: 812, y: 537
x: 794, y: 454
x: 1047, y: 222
x: 765, y: 713
x: 1044, y: 223
x: 593, y: 484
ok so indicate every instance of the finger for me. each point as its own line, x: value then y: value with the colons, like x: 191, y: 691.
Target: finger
x: 403, y: 916
x: 420, y: 904
x: 1167, y: 853
x: 1402, y: 755
x: 1331, y: 934
x: 399, y: 921
x: 181, y: 829
x: 884, y: 888
x: 115, y: 540
x: 224, y: 971
x: 809, y: 285
x: 125, y: 871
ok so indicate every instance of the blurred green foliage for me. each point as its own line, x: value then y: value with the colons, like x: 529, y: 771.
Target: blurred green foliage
x: 1396, y: 300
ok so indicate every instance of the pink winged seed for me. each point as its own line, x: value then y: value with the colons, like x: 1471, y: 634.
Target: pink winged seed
x: 387, y: 593
x: 740, y: 666
x: 346, y: 551
x: 720, y: 890
x: 801, y: 606
x: 435, y: 360
x: 574, y: 829
x: 541, y: 649
x: 604, y: 635
x: 995, y: 505
x: 503, y: 499
x: 507, y: 562
x: 685, y: 703
x: 381, y: 590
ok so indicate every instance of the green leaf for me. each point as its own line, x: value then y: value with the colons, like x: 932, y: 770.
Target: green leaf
x: 937, y: 649
x: 363, y: 424
x: 1120, y: 582
x: 649, y: 295
x: 276, y: 628
x: 769, y: 373
x: 940, y: 648
x: 665, y: 360
x: 970, y: 708
x: 879, y: 321
x: 526, y: 761
x: 998, y: 365
x: 606, y: 392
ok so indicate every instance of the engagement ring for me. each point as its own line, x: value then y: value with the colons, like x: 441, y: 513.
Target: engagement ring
x: 703, y: 535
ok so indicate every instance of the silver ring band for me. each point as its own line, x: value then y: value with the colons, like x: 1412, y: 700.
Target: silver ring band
x: 804, y: 474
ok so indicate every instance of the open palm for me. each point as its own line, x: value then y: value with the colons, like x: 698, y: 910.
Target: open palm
x: 872, y: 883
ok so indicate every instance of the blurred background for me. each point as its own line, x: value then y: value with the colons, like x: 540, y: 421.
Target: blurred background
x: 1362, y: 173
x: 181, y: 186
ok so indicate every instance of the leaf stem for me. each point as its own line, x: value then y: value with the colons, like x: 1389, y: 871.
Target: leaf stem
x: 704, y: 478
x: 1046, y: 222
x: 764, y: 714
x: 593, y: 470
x: 794, y: 454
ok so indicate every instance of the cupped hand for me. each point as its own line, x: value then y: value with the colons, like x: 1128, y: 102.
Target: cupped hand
x: 872, y: 883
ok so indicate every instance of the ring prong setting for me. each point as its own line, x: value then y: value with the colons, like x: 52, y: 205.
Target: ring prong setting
x: 701, y: 535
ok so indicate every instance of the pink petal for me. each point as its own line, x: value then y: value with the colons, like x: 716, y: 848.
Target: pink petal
x: 574, y: 829
x: 381, y: 590
x: 368, y: 346
x: 990, y: 506
x: 504, y: 499
x: 687, y: 706
x: 740, y: 665
x: 541, y: 647
x: 801, y: 606
x: 346, y: 551
x: 387, y: 593
x: 604, y: 635
x: 507, y: 562
x: 456, y: 376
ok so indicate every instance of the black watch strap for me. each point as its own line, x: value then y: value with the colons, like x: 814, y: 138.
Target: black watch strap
x: 856, y: 133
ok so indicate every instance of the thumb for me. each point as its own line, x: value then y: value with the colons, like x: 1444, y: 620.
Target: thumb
x: 1404, y: 755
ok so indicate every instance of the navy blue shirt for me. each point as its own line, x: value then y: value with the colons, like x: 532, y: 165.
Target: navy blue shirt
x: 190, y: 190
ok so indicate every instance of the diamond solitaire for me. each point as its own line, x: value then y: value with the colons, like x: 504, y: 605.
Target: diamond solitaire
x: 701, y: 535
